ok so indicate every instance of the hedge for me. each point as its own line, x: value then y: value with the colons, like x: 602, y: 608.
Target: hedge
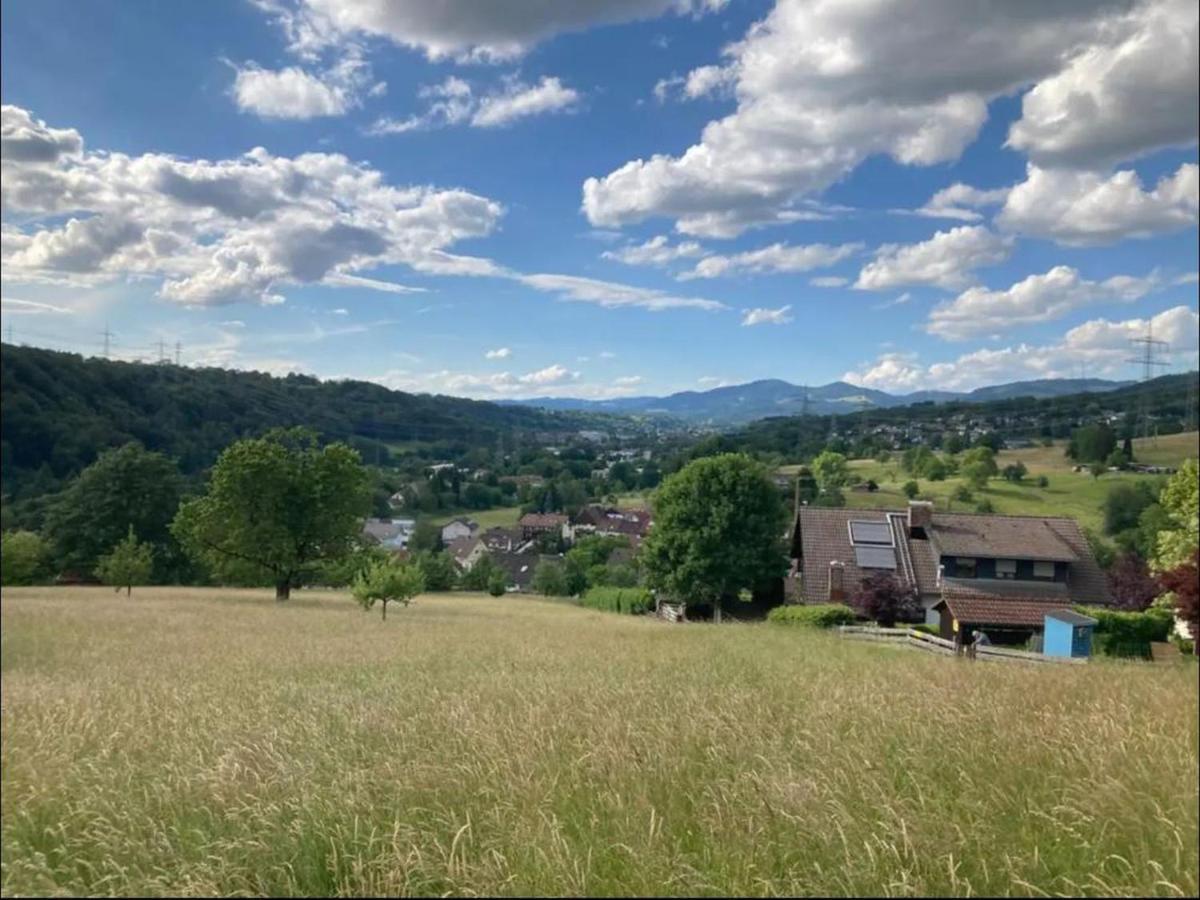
x: 1128, y: 634
x: 629, y: 600
x: 818, y: 615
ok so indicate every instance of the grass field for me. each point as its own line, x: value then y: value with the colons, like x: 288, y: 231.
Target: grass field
x: 200, y: 741
x: 500, y: 517
x: 1074, y: 494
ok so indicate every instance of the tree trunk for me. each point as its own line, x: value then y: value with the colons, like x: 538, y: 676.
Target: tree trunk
x: 717, y: 611
x: 128, y: 590
x: 283, y: 590
x: 383, y: 609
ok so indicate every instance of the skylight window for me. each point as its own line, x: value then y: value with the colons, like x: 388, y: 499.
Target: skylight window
x: 877, y: 534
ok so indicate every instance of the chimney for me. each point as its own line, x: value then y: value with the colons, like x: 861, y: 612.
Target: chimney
x: 837, y: 577
x: 920, y: 517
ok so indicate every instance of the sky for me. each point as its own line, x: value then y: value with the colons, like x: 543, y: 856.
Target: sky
x: 604, y: 198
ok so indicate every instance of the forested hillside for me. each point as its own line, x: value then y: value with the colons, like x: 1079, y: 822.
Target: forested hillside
x: 59, y: 411
x: 1164, y: 405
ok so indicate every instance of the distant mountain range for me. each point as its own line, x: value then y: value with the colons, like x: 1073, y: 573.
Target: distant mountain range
x: 772, y: 397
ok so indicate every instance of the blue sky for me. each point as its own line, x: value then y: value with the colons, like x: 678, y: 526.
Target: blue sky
x: 608, y: 197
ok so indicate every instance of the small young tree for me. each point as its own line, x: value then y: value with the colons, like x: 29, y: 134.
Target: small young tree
x: 1043, y: 482
x: 128, y: 563
x: 880, y: 597
x: 386, y: 582
x: 911, y: 489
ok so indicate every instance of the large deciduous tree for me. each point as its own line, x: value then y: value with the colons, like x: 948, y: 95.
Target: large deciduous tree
x: 719, y: 528
x: 128, y: 487
x: 1180, y: 500
x: 279, y: 506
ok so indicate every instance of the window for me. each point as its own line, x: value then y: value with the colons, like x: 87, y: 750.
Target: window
x: 1006, y: 568
x: 1043, y: 570
x: 964, y: 567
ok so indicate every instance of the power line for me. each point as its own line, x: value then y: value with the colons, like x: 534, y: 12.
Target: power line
x: 1147, y: 358
x: 108, y: 336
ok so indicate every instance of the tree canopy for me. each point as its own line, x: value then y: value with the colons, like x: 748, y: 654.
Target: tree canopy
x: 719, y: 528
x: 1180, y: 501
x: 129, y: 487
x: 278, y: 505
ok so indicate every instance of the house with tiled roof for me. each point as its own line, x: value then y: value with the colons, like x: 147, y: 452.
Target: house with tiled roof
x: 533, y: 524
x: 971, y: 572
x: 467, y: 551
x: 459, y: 527
x: 606, y: 520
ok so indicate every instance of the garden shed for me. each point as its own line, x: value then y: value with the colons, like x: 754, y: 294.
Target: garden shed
x: 1068, y: 633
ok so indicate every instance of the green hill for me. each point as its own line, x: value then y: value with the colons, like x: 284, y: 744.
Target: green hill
x: 60, y: 410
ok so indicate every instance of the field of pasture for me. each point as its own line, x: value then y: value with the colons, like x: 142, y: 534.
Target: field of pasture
x: 209, y: 741
x: 1078, y: 495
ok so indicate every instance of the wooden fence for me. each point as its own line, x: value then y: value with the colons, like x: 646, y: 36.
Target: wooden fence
x: 671, y: 612
x: 910, y: 637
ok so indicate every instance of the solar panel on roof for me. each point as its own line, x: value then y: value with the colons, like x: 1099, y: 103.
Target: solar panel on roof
x: 871, y: 533
x: 875, y: 557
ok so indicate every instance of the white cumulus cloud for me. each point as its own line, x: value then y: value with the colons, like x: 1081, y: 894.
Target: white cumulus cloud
x: 946, y: 260
x: 764, y: 316
x: 1037, y: 298
x: 822, y: 86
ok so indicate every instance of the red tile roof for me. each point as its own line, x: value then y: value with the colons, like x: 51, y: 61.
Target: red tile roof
x: 1013, y: 611
x: 542, y: 520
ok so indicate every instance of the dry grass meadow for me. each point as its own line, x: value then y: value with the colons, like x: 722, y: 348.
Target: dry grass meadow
x: 190, y: 741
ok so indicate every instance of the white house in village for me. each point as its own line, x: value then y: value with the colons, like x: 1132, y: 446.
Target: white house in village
x: 458, y: 528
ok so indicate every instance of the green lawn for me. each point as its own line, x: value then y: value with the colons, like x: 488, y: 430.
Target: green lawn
x: 500, y: 517
x: 213, y: 742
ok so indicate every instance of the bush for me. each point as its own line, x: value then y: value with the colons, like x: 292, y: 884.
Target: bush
x: 984, y: 507
x: 549, y: 579
x: 1128, y: 634
x: 926, y: 628
x: 818, y: 615
x: 22, y: 557
x: 631, y: 601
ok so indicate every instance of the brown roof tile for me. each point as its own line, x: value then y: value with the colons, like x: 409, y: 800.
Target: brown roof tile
x: 999, y: 537
x: 1013, y: 611
x: 824, y: 537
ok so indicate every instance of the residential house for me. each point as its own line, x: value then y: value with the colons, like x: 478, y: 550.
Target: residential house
x: 392, y: 534
x: 467, y: 551
x: 504, y: 540
x: 519, y: 567
x: 458, y: 528
x: 633, y: 524
x: 534, y: 524
x: 996, y: 573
